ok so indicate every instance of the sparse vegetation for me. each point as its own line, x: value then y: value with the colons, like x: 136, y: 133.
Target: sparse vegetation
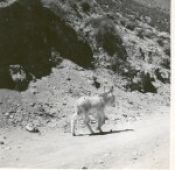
x: 85, y: 6
x: 116, y: 37
x: 167, y: 51
x: 130, y: 26
x: 140, y: 34
x: 142, y: 82
x: 166, y: 63
x: 160, y: 42
x: 108, y: 38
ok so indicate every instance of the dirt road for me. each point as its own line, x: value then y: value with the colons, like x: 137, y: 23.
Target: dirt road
x: 141, y: 144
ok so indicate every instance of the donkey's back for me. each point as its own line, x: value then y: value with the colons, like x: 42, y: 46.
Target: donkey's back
x: 89, y: 103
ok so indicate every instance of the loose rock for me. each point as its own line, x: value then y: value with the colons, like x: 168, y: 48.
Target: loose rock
x: 101, y: 162
x: 64, y: 103
x: 2, y: 143
x: 7, y: 114
x: 84, y: 167
x: 31, y: 128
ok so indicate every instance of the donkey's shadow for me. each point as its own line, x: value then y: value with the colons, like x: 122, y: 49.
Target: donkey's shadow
x: 107, y: 133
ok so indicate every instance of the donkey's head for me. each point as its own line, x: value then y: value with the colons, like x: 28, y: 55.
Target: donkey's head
x: 109, y: 97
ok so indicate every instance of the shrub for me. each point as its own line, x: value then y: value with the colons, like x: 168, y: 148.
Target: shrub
x: 130, y: 26
x: 85, y: 6
x: 160, y: 42
x: 140, y: 34
x: 142, y: 82
x: 167, y: 51
x: 108, y: 38
x: 166, y: 63
x: 123, y: 23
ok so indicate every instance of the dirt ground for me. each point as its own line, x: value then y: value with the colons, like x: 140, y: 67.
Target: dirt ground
x: 142, y: 144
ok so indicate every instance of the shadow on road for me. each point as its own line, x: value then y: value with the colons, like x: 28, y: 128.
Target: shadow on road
x: 107, y: 133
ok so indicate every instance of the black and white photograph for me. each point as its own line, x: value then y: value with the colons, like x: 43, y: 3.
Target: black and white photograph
x: 85, y: 84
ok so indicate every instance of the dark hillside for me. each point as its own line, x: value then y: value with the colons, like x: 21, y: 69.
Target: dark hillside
x: 30, y: 35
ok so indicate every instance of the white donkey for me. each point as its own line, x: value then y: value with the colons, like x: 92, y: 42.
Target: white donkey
x: 92, y: 105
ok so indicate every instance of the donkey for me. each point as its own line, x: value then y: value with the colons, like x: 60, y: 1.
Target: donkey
x: 92, y: 106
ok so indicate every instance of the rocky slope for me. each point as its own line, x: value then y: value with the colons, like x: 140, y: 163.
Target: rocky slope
x: 50, y: 52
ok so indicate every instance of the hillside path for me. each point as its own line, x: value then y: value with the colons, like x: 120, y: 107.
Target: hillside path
x: 141, y: 144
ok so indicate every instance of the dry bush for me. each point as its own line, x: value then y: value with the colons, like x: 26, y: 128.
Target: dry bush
x: 167, y: 51
x: 131, y: 26
x: 109, y: 39
x: 160, y: 42
x: 140, y: 34
x: 86, y: 6
x: 142, y: 82
x: 166, y: 63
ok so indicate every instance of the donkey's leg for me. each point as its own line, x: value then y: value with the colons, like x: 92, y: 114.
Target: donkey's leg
x: 74, y: 123
x: 101, y: 120
x: 86, y: 121
x: 99, y: 124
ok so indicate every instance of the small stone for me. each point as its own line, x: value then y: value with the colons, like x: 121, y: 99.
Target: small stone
x: 32, y: 104
x: 11, y: 116
x: 52, y: 114
x: 95, y: 82
x: 33, y: 85
x: 106, y: 155
x: 84, y: 167
x: 130, y: 102
x: 101, y: 162
x: 18, y: 105
x: 34, y: 91
x: 70, y: 91
x: 135, y: 158
x: 7, y: 114
x: 11, y: 111
x: 148, y: 19
x: 64, y: 103
x: 79, y: 69
x: 2, y: 143
x: 125, y: 115
x: 31, y: 128
x: 8, y: 148
x: 48, y: 121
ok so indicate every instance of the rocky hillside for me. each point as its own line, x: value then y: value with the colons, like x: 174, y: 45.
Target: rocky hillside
x: 54, y: 51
